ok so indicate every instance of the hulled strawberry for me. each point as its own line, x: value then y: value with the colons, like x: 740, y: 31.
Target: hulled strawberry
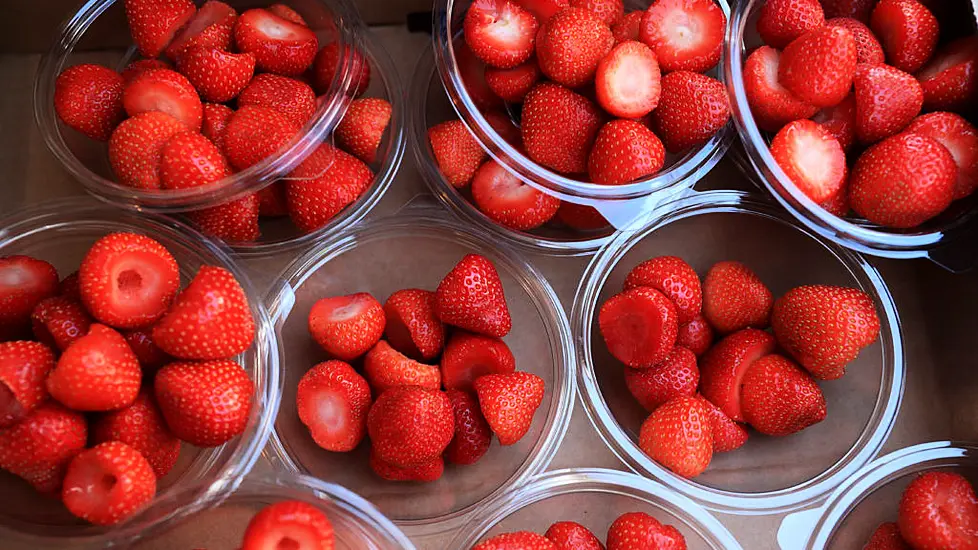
x: 108, y: 483
x: 279, y: 45
x: 960, y: 138
x: 692, y: 109
x: 781, y: 21
x: 571, y: 44
x: 135, y: 145
x: 324, y: 184
x: 772, y: 104
x: 500, y: 32
x: 640, y: 530
x: 779, y: 398
x: 674, y: 376
x: 686, y: 35
x: 99, y: 372
x: 289, y: 522
x: 217, y: 75
x: 385, y: 368
x: 153, y: 23
x: 624, y: 151
x: 570, y: 535
x: 908, y: 32
x: 508, y: 402
x: 507, y: 200
x: 165, y: 91
x: 293, y: 98
x: 471, y: 297
x: 456, y: 152
x: 673, y: 277
x: 141, y: 426
x: 412, y: 326
x: 679, y: 435
x: 39, y: 447
x: 363, y: 126
x: 639, y: 326
x: 887, y: 99
x: 23, y: 369
x: 57, y: 322
x: 468, y: 356
x: 735, y: 298
x: 628, y: 83
x: 332, y: 401
x: 812, y: 159
x: 472, y: 433
x: 818, y: 67
x: 347, y: 326
x: 207, y: 403
x: 88, y: 98
x: 723, y: 367
x: 559, y: 127
x: 210, y: 27
x: 939, y: 510
x: 410, y: 426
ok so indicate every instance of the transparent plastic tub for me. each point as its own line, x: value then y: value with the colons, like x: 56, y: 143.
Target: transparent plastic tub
x: 595, y: 498
x: 725, y: 225
x: 61, y: 232
x: 416, y: 248
x: 620, y: 204
x: 872, y: 496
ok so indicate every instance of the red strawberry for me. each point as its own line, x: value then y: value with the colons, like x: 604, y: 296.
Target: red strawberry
x: 939, y: 510
x: 771, y: 104
x: 811, y: 158
x: 429, y: 471
x: 887, y: 537
x: 24, y: 281
x: 513, y: 84
x: 280, y: 46
x: 508, y: 402
x: 520, y: 540
x: 674, y: 376
x: 324, y: 69
x: 333, y: 401
x: 128, y: 280
x: 950, y: 79
x: 686, y: 35
x: 362, y: 128
x: 559, y: 127
x: 818, y: 67
x: 908, y: 32
x: 207, y: 403
x: 679, y: 435
x: 324, y: 184
x: 287, y: 13
x: 543, y: 9
x: 255, y: 133
x: 293, y: 98
x: 825, y: 327
x: 468, y: 356
x: 141, y: 426
x: 108, y: 483
x: 39, y: 447
x: 347, y: 326
x: 190, y: 160
x: 114, y: 384
x: 273, y: 200
x: 472, y: 432
x: 88, y: 98
x: 723, y: 367
x: 887, y: 99
x: 569, y: 535
x: 838, y: 204
x: 673, y: 277
x: 580, y: 217
x: 735, y: 298
x: 508, y: 201
x: 210, y: 27
x: 410, y: 426
x: 779, y: 398
x: 868, y: 48
x: 289, y: 523
x: 635, y: 530
x: 215, y: 122
x: 609, y: 11
x: 691, y: 109
x: 456, y: 152
x: 639, y: 326
x: 58, y: 322
x: 696, y: 335
x: 154, y: 22
x: 903, y: 181
x: 781, y: 21
x: 235, y: 221
x: 571, y: 44
x: 135, y: 146
x: 385, y: 368
x: 471, y: 297
x: 23, y: 368
x: 840, y: 121
x: 856, y: 9
x: 140, y: 66
x: 68, y: 287
x: 150, y: 356
x: 624, y: 151
x: 727, y: 434
x: 500, y: 32
x: 412, y: 327
x: 218, y: 75
x: 629, y: 28
x: 166, y: 91
x: 961, y: 140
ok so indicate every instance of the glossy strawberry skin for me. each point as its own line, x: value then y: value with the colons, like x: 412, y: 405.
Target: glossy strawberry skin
x: 675, y: 376
x: 427, y: 472
x: 640, y: 530
x: 886, y: 537
x: 818, y: 67
x: 571, y: 44
x: 362, y: 129
x: 887, y: 99
x: 347, y: 327
x: 332, y: 400
x: 97, y: 503
x: 472, y: 433
x: 23, y: 369
x: 727, y: 434
x: 779, y: 398
x: 692, y: 109
x: 88, y: 98
x: 233, y: 222
x: 255, y: 133
x: 471, y: 297
x: 24, y: 281
x: 385, y: 368
x: 166, y: 91
x: 153, y: 24
x: 734, y: 298
x: 135, y: 145
x: 326, y: 183
x: 456, y: 152
x: 781, y: 21
x: 673, y: 277
x: 508, y: 403
x: 210, y: 27
x: 625, y: 151
x: 412, y: 326
x: 205, y: 404
x: 679, y: 435
x: 286, y: 522
x: 191, y: 160
x: 696, y: 335
x: 771, y: 104
x: 218, y: 76
x: 939, y: 510
x: 569, y: 535
x: 509, y: 201
x: 57, y: 322
x: 141, y: 426
x: 512, y: 85
x: 410, y: 426
x: 99, y: 372
x: 519, y: 540
x: 950, y: 79
x: 960, y: 138
x: 907, y: 30
x: 868, y: 48
x: 39, y: 447
x: 723, y: 367
x: 293, y: 98
x: 280, y: 46
x: 559, y: 127
x: 468, y: 356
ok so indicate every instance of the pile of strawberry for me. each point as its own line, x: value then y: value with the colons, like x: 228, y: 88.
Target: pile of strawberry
x: 602, y: 96
x: 399, y: 401
x: 843, y: 85
x: 242, y: 89
x: 662, y: 328
x: 117, y: 357
x: 631, y: 531
x: 938, y: 511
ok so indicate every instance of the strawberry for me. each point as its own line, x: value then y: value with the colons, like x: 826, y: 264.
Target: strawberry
x: 24, y: 282
x: 347, y: 326
x: 691, y: 109
x: 207, y: 403
x: 686, y: 35
x: 151, y: 358
x: 503, y: 124
x: 868, y: 48
x: 674, y: 376
x: 950, y: 79
x: 68, y: 287
x: 818, y: 67
x: 727, y: 434
x: 210, y: 319
x: 412, y: 327
x: 76, y: 383
x: 500, y: 32
x: 569, y: 535
x: 903, y: 181
x: 673, y: 277
x: 410, y: 426
x: 293, y: 98
x: 696, y: 335
x: 88, y: 98
x: 255, y: 133
x: 210, y: 27
x: 722, y: 369
x: 559, y: 127
x: 543, y: 9
x: 508, y: 201
x: 215, y: 122
x: 140, y: 66
x: 811, y: 158
x: 166, y: 91
x: 520, y: 540
x: 856, y: 9
x: 939, y: 510
x: 153, y: 23
x: 629, y: 28
x: 324, y: 184
x: 779, y: 398
x: 679, y: 435
x: 469, y: 356
x: 135, y: 147
x: 141, y: 426
x: 887, y: 99
x: 472, y: 433
x: 635, y: 530
x: 324, y: 68
x: 571, y: 44
x: 512, y: 84
x: 838, y: 204
x: 333, y: 401
x: 781, y: 21
x: 190, y: 160
x: 23, y: 368
x: 960, y: 138
x: 887, y: 537
x: 385, y: 368
x: 456, y: 152
x: 580, y: 217
x: 280, y: 46
x: 840, y: 121
x: 287, y: 13
x: 471, y: 297
x: 273, y: 201
x: 429, y: 471
x: 362, y: 128
x: 289, y: 523
x: 625, y: 151
x: 128, y: 280
x: 234, y: 222
x: 39, y: 447
x: 825, y: 327
x: 735, y: 298
x: 57, y: 322
x: 908, y: 32
x: 218, y: 75
x: 508, y: 402
x: 639, y: 326
x: 771, y: 104
x: 108, y: 483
